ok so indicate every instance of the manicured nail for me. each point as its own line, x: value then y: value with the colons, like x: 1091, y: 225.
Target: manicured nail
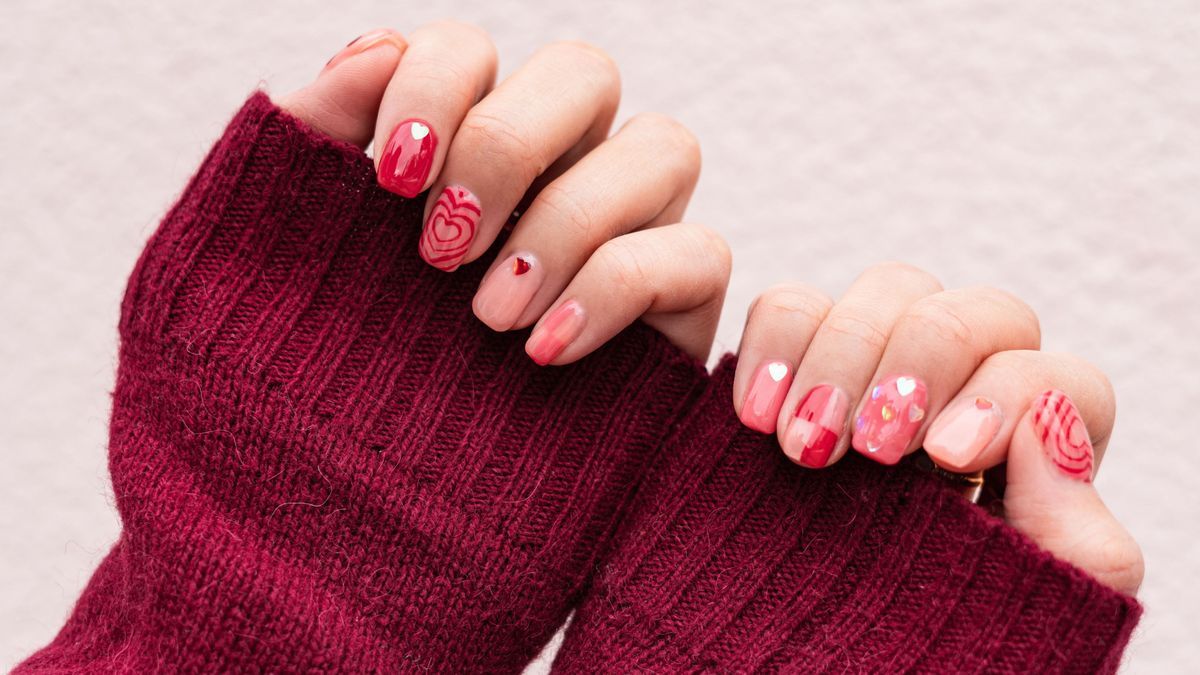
x: 963, y: 430
x: 764, y: 397
x: 890, y: 418
x: 819, y: 422
x: 450, y: 228
x: 507, y: 290
x: 1063, y: 435
x: 407, y: 158
x: 558, y: 330
x: 364, y: 42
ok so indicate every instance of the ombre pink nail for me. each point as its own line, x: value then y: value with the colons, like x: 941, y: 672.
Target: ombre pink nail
x: 507, y: 290
x: 890, y: 418
x: 560, y: 328
x: 364, y: 42
x: 764, y: 397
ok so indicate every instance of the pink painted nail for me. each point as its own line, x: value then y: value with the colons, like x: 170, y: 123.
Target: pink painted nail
x: 450, y: 228
x: 1063, y: 435
x: 407, y: 158
x: 560, y: 328
x: 963, y: 430
x: 819, y: 422
x: 364, y: 42
x: 507, y: 290
x: 890, y: 418
x: 764, y: 398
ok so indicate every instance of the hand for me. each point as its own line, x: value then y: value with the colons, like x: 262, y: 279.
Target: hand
x: 598, y: 244
x: 899, y: 362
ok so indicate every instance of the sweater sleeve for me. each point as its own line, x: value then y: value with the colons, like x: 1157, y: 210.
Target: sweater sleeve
x: 322, y: 461
x: 735, y: 560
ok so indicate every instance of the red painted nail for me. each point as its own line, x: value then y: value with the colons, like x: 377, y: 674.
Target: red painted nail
x: 364, y: 42
x: 450, y: 228
x: 764, y: 396
x: 407, y: 158
x: 1063, y: 435
x: 819, y: 422
x: 559, y: 329
x: 890, y: 418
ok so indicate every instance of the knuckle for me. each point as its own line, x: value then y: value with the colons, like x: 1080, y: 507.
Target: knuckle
x: 624, y: 264
x: 901, y: 272
x: 800, y: 300
x: 582, y: 51
x: 1018, y: 312
x: 496, y: 137
x: 940, y: 316
x: 857, y: 328
x: 669, y: 132
x: 569, y: 212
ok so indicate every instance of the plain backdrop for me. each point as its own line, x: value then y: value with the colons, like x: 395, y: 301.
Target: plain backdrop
x: 1051, y: 149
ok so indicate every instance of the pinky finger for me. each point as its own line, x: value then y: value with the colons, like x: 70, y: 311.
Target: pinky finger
x: 673, y: 277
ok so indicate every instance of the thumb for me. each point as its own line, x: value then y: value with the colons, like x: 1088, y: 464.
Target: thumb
x: 1051, y: 499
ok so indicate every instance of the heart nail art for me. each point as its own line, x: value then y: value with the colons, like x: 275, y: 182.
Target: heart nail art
x: 450, y: 228
x: 890, y: 418
x: 407, y: 159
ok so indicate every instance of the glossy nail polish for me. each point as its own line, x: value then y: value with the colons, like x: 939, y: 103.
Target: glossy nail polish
x: 1063, y: 435
x: 560, y: 328
x: 507, y: 290
x: 450, y: 228
x: 819, y: 421
x: 364, y: 42
x: 890, y: 418
x: 407, y: 158
x: 764, y: 396
x: 963, y: 430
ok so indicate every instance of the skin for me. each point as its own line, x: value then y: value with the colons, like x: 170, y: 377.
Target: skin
x: 601, y: 211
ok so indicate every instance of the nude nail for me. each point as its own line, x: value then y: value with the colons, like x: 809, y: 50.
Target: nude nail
x: 764, y: 396
x: 507, y: 290
x: 561, y: 327
x: 964, y: 430
x: 364, y: 42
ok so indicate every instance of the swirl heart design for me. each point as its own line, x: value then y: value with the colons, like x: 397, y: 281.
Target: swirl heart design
x: 1063, y: 434
x: 450, y: 228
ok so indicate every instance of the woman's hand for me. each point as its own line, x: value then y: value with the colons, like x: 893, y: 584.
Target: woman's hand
x: 899, y: 363
x: 597, y: 243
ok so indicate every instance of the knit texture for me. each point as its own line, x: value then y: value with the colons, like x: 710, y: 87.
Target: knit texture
x: 735, y: 560
x: 322, y: 461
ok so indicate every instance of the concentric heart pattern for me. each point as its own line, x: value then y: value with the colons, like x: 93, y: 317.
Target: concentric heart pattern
x: 1063, y: 434
x: 450, y: 228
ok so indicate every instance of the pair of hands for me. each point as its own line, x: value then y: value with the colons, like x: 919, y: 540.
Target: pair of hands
x: 896, y: 364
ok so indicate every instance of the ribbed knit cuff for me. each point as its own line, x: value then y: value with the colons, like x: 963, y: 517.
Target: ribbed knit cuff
x: 323, y: 461
x: 735, y: 560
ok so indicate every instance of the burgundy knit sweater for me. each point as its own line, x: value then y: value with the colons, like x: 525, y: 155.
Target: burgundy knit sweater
x: 324, y: 463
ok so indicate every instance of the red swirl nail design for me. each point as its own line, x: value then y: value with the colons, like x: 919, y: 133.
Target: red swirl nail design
x: 1063, y: 434
x: 450, y: 228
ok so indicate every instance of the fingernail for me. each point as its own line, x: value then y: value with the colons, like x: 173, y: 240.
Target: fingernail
x: 450, y: 228
x: 507, y: 290
x: 407, y: 158
x: 364, y: 42
x: 890, y: 418
x: 764, y: 398
x: 558, y: 330
x: 1063, y: 435
x: 819, y: 421
x: 963, y: 430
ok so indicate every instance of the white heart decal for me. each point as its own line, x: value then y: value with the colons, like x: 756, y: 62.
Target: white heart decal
x: 777, y: 370
x: 905, y: 385
x: 419, y: 131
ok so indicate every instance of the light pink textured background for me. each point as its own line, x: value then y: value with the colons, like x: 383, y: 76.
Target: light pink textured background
x: 1048, y: 148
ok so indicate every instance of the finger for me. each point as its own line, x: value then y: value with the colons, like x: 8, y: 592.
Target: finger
x: 1050, y: 496
x: 975, y: 429
x: 523, y: 129
x: 844, y: 353
x: 448, y: 66
x: 344, y: 99
x: 674, y: 277
x: 779, y: 327
x: 934, y: 349
x: 641, y: 177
